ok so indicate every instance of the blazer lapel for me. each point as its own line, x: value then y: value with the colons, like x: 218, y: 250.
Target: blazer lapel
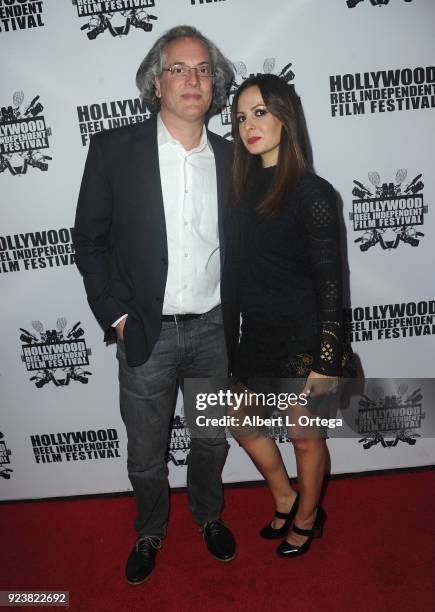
x: 223, y: 176
x: 147, y: 171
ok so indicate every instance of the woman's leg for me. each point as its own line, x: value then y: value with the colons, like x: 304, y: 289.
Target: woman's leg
x: 266, y: 456
x: 311, y: 461
x: 264, y: 453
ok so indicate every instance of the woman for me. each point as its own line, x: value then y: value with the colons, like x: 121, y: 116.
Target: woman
x: 285, y: 263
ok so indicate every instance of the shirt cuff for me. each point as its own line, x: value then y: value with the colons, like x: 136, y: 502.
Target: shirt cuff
x: 119, y: 320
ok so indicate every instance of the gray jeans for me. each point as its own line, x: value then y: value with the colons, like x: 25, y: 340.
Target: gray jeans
x: 189, y: 349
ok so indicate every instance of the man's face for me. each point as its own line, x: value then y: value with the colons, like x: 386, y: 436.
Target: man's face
x: 186, y: 98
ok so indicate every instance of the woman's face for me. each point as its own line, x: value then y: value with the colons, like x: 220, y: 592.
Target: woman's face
x: 259, y: 130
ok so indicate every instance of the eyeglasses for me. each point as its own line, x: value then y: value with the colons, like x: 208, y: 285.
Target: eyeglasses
x: 182, y: 71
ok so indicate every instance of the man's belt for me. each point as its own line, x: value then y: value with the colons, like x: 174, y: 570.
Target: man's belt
x: 175, y: 318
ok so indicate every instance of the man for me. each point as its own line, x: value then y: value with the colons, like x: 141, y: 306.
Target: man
x: 149, y: 219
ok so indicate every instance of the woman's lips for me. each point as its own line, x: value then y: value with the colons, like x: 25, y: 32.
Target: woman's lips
x: 253, y: 139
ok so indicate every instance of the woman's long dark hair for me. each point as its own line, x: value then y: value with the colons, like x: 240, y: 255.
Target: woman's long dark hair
x: 282, y: 101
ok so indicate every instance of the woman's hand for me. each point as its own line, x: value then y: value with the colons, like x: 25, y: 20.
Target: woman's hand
x: 319, y: 384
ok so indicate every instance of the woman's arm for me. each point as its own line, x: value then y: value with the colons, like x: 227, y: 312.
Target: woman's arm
x: 319, y: 211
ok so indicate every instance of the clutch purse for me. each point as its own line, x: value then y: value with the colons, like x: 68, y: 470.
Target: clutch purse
x: 299, y: 366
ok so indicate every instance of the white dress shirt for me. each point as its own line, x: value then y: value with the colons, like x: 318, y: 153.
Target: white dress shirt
x: 189, y: 189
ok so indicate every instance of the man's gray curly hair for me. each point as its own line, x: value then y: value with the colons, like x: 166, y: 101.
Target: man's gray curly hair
x: 154, y: 61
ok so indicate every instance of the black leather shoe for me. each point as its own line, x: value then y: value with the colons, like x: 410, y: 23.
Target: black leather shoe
x: 220, y: 541
x: 285, y: 549
x: 142, y: 559
x: 270, y: 533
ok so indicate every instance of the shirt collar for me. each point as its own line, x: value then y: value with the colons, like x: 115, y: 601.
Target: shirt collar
x: 164, y: 137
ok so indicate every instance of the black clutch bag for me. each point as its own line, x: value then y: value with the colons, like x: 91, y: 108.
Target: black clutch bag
x: 299, y: 366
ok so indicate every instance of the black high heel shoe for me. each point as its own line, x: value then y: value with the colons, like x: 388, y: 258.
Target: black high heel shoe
x: 269, y: 533
x: 285, y: 549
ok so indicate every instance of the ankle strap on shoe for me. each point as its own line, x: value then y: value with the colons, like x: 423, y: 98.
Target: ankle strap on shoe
x: 286, y: 515
x: 302, y: 532
x: 282, y: 515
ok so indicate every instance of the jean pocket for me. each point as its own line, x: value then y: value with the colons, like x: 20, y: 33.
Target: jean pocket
x: 214, y: 316
x: 120, y: 348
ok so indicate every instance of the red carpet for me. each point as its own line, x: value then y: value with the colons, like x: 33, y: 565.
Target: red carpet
x: 377, y: 553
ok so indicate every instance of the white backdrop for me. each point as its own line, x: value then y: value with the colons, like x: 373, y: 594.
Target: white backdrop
x: 366, y: 78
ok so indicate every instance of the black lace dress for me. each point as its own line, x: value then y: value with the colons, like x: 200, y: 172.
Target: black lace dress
x: 287, y: 270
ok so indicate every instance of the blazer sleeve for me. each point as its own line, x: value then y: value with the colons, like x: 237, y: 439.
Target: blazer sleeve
x: 92, y: 235
x: 319, y: 210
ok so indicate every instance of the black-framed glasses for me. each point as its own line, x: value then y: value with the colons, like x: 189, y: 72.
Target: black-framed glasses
x: 182, y: 71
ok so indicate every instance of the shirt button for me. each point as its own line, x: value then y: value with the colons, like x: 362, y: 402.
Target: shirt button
x: 186, y: 254
x: 185, y: 224
x: 185, y: 286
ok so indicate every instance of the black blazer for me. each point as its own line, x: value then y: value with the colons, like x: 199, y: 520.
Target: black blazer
x: 120, y: 233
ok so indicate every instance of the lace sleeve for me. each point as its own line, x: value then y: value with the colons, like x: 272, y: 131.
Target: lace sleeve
x: 319, y: 210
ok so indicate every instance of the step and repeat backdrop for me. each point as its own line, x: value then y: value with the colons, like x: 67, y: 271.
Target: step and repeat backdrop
x: 365, y: 72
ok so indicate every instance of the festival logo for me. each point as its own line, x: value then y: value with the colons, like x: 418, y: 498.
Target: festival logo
x: 382, y: 91
x: 23, y: 133
x: 115, y: 16
x: 116, y: 113
x: 241, y: 74
x: 353, y: 3
x: 389, y: 321
x: 55, y: 355
x: 5, y: 453
x: 36, y: 250
x: 394, y: 416
x: 75, y: 446
x: 179, y: 445
x: 388, y: 213
x: 20, y: 15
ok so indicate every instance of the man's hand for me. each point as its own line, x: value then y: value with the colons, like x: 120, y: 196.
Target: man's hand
x: 120, y: 328
x: 319, y: 384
